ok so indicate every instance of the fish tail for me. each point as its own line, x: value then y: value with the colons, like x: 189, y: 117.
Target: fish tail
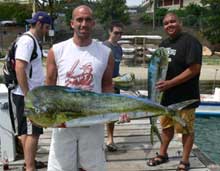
x: 181, y: 105
x: 157, y: 132
x: 154, y: 130
x: 174, y: 110
x: 151, y: 135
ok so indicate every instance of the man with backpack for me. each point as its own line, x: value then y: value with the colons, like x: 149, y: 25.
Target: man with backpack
x: 29, y: 74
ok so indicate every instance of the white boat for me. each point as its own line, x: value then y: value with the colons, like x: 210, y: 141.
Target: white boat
x: 210, y: 104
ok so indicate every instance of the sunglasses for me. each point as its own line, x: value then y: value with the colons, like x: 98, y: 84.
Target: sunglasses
x: 118, y: 32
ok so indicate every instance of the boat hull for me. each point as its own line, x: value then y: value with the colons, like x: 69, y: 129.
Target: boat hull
x: 208, y: 108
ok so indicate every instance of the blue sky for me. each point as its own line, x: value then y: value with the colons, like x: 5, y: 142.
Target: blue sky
x: 133, y: 2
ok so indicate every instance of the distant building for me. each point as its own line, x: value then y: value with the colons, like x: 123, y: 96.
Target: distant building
x: 17, y: 1
x: 170, y: 4
x: 132, y: 9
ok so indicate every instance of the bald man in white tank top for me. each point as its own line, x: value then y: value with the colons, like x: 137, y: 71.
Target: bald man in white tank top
x: 87, y: 64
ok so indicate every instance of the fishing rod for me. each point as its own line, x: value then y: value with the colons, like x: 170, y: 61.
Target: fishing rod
x: 214, y: 82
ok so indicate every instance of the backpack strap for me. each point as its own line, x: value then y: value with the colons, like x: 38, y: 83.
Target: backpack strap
x: 11, y: 112
x: 34, y: 52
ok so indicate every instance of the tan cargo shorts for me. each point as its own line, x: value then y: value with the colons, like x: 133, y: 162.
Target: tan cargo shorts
x: 186, y: 114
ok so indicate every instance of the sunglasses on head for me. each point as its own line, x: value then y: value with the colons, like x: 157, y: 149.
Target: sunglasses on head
x: 118, y: 32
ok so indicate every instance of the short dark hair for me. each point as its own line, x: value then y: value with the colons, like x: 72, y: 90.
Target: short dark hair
x: 172, y: 14
x: 115, y: 24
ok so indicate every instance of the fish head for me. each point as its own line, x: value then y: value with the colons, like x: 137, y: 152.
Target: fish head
x: 163, y: 53
x: 37, y: 101
x: 29, y: 108
x: 125, y: 81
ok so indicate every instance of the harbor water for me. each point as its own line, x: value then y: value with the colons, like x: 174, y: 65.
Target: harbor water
x: 207, y: 129
x: 207, y: 136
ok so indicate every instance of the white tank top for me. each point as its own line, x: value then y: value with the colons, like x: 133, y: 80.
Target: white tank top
x: 81, y: 67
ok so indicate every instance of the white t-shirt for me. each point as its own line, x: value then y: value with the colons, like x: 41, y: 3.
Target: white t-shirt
x: 25, y: 46
x: 81, y: 67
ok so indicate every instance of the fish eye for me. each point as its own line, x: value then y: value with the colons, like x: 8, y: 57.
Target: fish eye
x: 44, y: 109
x: 37, y: 110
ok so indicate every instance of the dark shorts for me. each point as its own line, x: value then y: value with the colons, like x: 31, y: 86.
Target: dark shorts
x: 116, y: 90
x: 25, y: 127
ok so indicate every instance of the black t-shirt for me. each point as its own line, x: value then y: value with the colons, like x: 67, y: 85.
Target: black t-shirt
x: 183, y: 51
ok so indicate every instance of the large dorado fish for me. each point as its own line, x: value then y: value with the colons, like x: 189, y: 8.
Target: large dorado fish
x: 52, y: 106
x: 157, y: 70
x: 124, y: 81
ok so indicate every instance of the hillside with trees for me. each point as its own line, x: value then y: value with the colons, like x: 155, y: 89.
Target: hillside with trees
x: 202, y: 21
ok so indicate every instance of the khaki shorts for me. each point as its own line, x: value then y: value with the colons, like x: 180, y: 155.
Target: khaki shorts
x: 187, y: 114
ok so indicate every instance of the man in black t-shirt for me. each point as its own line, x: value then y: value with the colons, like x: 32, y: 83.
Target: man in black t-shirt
x: 182, y: 83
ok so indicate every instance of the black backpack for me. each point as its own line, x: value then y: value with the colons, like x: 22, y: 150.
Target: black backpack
x: 9, y: 73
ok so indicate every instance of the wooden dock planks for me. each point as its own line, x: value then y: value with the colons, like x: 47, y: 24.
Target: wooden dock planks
x: 133, y: 140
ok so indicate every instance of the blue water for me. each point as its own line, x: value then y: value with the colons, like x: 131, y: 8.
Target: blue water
x: 207, y: 136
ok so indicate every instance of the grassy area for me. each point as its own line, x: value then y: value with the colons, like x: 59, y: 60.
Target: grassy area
x: 2, y: 54
x: 1, y: 79
x: 211, y: 60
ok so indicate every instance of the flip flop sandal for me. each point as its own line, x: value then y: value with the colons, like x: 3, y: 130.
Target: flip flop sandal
x: 185, y: 168
x: 38, y: 165
x: 159, y: 159
x: 111, y: 147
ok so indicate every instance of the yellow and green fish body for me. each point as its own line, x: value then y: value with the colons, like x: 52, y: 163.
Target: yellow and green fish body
x: 51, y: 106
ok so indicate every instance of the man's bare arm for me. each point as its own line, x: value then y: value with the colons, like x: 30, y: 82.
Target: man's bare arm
x: 189, y: 73
x: 51, y: 69
x: 21, y: 75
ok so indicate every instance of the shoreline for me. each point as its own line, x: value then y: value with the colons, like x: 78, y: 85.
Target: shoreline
x: 208, y: 72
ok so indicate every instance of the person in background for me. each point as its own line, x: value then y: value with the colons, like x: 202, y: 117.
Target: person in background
x: 79, y: 62
x: 115, y: 32
x: 28, y: 133
x: 181, y: 84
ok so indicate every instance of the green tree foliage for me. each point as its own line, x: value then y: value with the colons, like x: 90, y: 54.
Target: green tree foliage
x: 145, y: 18
x: 193, y: 15
x: 211, y: 28
x: 109, y: 10
x: 159, y: 14
x: 14, y: 11
x: 179, y: 12
x: 194, y: 9
x: 67, y: 7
